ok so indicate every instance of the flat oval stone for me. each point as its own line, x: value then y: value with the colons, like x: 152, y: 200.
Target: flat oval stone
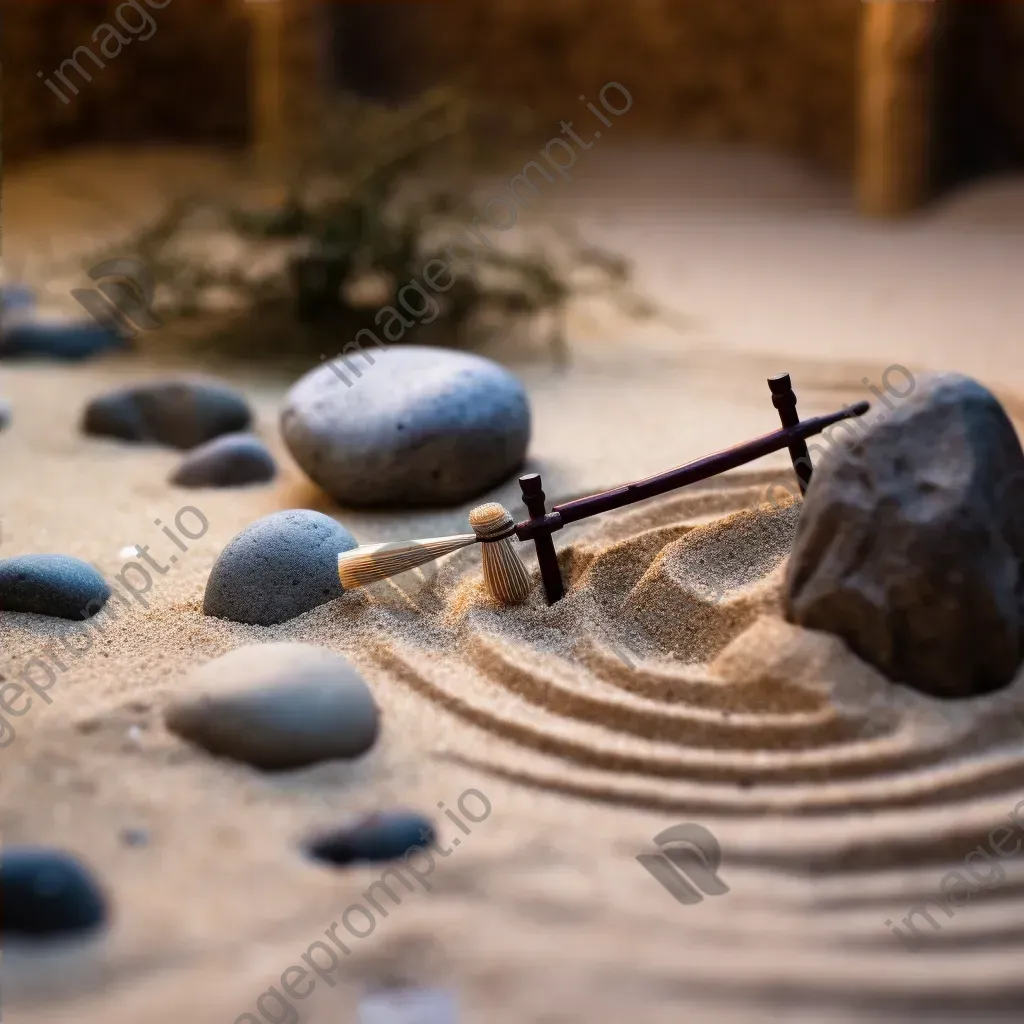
x: 47, y: 893
x: 177, y: 413
x: 57, y: 585
x: 67, y: 342
x: 281, y: 566
x: 232, y: 460
x: 380, y: 836
x: 276, y: 706
x: 409, y: 1005
x: 407, y: 426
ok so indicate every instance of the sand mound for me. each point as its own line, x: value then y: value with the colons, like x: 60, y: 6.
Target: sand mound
x: 667, y: 676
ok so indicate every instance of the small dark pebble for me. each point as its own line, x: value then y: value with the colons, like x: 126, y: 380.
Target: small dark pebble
x: 179, y: 413
x: 68, y: 342
x: 376, y: 837
x: 47, y: 893
x: 232, y: 460
x: 5, y: 413
x: 134, y: 837
x: 57, y: 585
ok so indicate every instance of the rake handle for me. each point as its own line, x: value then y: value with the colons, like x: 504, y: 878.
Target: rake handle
x: 692, y: 472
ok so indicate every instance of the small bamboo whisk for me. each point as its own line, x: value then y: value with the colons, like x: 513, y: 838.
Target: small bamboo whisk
x: 504, y: 574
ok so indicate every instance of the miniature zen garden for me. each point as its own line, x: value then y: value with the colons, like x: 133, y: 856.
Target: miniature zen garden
x: 213, y: 747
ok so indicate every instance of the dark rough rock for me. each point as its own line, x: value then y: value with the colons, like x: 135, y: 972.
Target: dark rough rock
x: 374, y: 837
x: 70, y: 342
x: 47, y: 893
x: 277, y: 706
x: 278, y: 567
x: 911, y: 542
x: 177, y: 413
x: 417, y: 426
x: 232, y: 460
x: 57, y: 585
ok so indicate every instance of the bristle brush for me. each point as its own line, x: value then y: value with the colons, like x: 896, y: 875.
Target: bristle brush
x: 504, y: 573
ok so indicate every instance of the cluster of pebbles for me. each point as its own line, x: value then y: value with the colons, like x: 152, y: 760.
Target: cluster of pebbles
x: 424, y: 426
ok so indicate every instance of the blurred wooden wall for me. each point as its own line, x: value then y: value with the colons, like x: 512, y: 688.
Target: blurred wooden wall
x: 186, y: 83
x: 896, y: 94
x: 778, y: 73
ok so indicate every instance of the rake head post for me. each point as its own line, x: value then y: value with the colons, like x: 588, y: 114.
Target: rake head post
x: 547, y: 560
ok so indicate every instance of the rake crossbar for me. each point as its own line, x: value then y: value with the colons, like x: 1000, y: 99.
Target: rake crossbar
x: 692, y: 472
x: 494, y: 528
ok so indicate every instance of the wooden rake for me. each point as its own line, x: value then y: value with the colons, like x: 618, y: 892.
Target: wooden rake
x: 494, y: 528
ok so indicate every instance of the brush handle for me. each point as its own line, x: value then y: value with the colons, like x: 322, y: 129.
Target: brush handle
x: 374, y: 562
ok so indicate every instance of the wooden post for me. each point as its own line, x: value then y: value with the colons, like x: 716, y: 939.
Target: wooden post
x: 266, y: 84
x: 547, y: 558
x: 784, y: 400
x: 896, y: 89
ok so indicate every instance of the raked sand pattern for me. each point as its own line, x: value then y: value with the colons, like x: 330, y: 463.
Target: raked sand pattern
x: 665, y: 688
x: 839, y: 802
x: 668, y: 679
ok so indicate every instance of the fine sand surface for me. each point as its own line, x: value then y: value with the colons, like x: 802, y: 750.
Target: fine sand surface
x: 639, y: 702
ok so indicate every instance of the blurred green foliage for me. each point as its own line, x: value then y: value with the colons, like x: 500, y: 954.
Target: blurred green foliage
x: 368, y: 203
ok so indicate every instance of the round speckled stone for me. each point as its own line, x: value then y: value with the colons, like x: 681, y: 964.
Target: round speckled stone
x: 415, y: 426
x: 278, y: 567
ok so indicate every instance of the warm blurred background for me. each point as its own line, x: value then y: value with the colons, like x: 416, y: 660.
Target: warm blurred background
x: 784, y: 74
x: 835, y: 107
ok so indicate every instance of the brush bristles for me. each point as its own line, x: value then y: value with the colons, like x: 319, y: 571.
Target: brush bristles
x: 505, y: 575
x: 374, y: 562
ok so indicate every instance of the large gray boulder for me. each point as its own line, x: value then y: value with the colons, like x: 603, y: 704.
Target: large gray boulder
x: 911, y: 541
x: 407, y: 426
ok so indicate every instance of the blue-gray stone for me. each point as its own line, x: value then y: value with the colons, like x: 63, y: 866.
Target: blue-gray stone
x: 278, y: 567
x: 177, y: 413
x: 15, y: 300
x: 276, y: 706
x: 407, y: 426
x: 381, y: 836
x: 232, y: 460
x: 62, y: 341
x: 5, y: 414
x: 57, y: 585
x: 47, y: 893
